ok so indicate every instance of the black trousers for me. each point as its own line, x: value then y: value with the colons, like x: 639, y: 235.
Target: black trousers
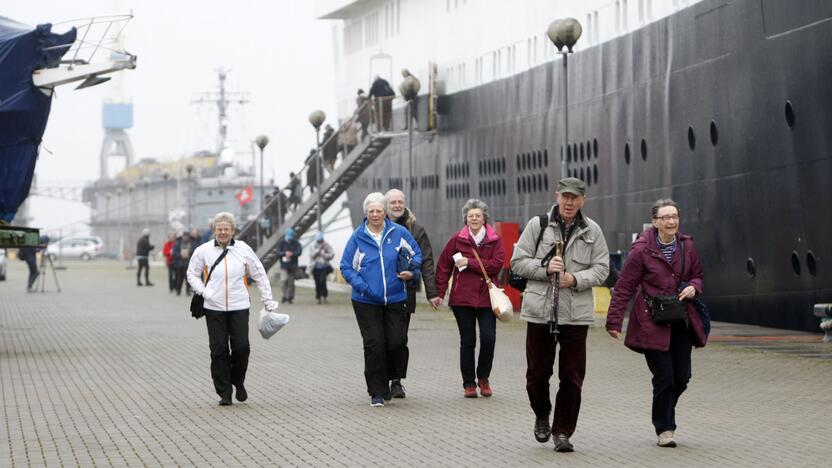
x: 180, y: 273
x: 32, y: 263
x: 143, y: 265
x: 319, y: 274
x: 228, y: 341
x: 541, y: 348
x: 171, y: 278
x: 466, y: 320
x: 383, y: 330
x: 671, y: 373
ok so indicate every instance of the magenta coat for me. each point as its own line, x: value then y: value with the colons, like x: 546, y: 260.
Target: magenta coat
x: 648, y: 270
x: 469, y: 288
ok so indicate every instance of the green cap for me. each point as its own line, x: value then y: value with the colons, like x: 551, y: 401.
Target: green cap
x: 572, y: 185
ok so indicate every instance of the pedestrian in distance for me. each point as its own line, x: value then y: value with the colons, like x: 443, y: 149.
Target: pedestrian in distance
x: 329, y: 148
x: 312, y: 162
x: 320, y: 257
x: 289, y: 250
x: 398, y: 212
x: 584, y: 265
x: 475, y: 248
x: 30, y: 256
x: 167, y: 251
x: 227, y: 303
x: 661, y: 262
x: 348, y: 137
x: 295, y: 191
x: 382, y: 95
x: 181, y: 257
x: 380, y: 257
x: 143, y: 248
x: 362, y: 112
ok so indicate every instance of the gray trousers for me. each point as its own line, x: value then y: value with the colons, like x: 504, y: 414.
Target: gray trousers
x: 287, y: 282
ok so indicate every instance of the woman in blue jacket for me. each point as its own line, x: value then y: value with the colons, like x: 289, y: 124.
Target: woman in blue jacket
x: 379, y: 259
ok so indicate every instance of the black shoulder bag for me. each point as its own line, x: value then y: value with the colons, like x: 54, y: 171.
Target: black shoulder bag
x: 669, y: 309
x: 513, y: 279
x: 197, y: 300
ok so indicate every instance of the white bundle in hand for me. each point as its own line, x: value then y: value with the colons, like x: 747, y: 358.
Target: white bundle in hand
x: 270, y: 323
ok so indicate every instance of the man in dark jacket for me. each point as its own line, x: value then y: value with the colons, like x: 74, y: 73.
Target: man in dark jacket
x: 398, y: 212
x: 143, y: 249
x: 329, y: 151
x: 382, y: 94
x: 289, y: 250
x: 312, y: 170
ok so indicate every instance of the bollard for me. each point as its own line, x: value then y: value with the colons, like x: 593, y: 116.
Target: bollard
x: 824, y: 311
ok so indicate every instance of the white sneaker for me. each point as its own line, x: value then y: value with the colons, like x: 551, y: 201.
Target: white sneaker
x: 666, y: 439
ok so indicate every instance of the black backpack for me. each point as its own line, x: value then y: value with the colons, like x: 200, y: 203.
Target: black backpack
x: 516, y: 281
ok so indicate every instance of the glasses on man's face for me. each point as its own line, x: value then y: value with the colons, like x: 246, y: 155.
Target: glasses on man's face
x: 666, y: 218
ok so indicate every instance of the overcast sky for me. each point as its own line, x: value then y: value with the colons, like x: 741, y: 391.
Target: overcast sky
x: 275, y: 50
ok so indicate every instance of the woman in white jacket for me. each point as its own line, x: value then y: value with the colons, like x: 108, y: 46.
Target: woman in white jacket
x: 227, y: 302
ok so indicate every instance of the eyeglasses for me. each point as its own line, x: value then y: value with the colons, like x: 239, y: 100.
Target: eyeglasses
x: 667, y: 218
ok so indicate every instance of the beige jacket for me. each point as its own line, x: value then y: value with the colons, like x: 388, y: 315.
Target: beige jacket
x: 586, y: 257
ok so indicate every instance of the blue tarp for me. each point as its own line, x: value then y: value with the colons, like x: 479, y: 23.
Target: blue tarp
x: 24, y: 109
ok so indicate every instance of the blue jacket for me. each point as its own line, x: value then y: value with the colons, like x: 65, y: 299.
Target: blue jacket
x: 371, y: 270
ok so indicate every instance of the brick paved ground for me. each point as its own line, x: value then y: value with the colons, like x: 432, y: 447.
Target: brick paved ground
x: 105, y: 373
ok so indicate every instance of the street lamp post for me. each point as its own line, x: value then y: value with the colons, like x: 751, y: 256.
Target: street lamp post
x: 261, y: 141
x: 148, y: 218
x: 189, y: 168
x: 409, y: 89
x: 565, y: 32
x: 165, y: 177
x: 130, y: 189
x: 317, y: 118
x: 120, y: 250
x: 107, y: 237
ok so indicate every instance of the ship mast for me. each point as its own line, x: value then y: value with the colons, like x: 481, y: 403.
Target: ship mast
x: 223, y: 99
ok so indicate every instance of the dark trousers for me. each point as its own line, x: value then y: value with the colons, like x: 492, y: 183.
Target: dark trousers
x: 143, y: 265
x: 411, y: 307
x: 671, y: 374
x: 180, y: 279
x: 32, y: 263
x: 383, y: 329
x: 228, y: 340
x: 541, y: 348
x: 319, y: 274
x: 171, y: 278
x: 466, y: 321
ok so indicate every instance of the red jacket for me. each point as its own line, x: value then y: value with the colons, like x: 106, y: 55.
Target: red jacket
x: 469, y: 288
x: 167, y: 251
x: 648, y: 270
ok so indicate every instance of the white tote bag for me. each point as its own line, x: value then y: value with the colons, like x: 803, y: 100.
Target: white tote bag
x: 500, y: 303
x: 270, y: 323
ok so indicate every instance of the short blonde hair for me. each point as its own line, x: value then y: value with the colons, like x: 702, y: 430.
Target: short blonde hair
x: 375, y: 197
x: 224, y: 217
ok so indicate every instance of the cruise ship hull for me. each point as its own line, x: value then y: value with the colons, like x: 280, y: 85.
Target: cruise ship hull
x: 724, y: 107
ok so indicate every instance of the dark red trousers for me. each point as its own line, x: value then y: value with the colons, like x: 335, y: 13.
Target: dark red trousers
x: 541, y: 348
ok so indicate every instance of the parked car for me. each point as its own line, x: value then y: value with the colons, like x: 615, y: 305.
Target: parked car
x: 3, y: 262
x: 85, y: 248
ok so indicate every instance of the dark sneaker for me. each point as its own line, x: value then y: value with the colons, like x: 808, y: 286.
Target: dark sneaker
x: 485, y: 388
x: 666, y: 440
x: 562, y: 443
x: 377, y: 401
x: 542, y: 430
x: 242, y: 395
x: 397, y: 389
x: 150, y: 284
x: 226, y: 400
x: 470, y: 391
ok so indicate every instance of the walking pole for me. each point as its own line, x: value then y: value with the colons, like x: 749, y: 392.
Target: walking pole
x: 553, y: 310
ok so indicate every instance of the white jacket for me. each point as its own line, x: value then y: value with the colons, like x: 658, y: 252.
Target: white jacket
x: 227, y: 289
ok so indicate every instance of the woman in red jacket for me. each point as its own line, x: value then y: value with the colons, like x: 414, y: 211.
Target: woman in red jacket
x: 469, y: 292
x: 662, y: 262
x: 167, y: 251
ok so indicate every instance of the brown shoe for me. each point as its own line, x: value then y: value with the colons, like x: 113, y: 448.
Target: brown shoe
x: 470, y: 391
x: 485, y: 388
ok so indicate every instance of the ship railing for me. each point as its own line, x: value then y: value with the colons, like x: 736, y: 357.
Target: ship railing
x: 302, y: 185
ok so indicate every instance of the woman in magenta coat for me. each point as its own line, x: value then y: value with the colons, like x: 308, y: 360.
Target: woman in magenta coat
x: 469, y: 297
x: 653, y: 268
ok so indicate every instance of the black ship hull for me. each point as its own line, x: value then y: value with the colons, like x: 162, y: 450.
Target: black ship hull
x: 725, y: 107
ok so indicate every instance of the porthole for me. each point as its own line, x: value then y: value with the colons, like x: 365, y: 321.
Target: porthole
x: 714, y: 133
x: 568, y: 153
x: 795, y: 263
x: 517, y: 161
x: 575, y: 151
x: 581, y: 149
x: 751, y: 268
x: 595, y: 172
x: 691, y: 138
x: 811, y: 263
x: 539, y: 159
x: 643, y: 149
x: 588, y: 150
x: 588, y: 178
x: 595, y: 147
x: 627, y: 153
x: 581, y: 174
x: 789, y: 114
x: 546, y: 158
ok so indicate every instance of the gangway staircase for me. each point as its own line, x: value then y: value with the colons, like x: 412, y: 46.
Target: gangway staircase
x: 305, y: 215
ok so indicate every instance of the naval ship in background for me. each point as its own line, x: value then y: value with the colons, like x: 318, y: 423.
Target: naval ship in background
x: 722, y: 105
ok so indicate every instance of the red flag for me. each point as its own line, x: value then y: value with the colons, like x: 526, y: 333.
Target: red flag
x: 245, y: 195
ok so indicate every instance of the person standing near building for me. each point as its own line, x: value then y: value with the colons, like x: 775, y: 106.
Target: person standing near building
x: 319, y: 258
x: 362, y: 113
x: 398, y: 212
x: 382, y: 95
x: 143, y: 249
x: 167, y: 251
x: 289, y: 250
x: 585, y: 263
